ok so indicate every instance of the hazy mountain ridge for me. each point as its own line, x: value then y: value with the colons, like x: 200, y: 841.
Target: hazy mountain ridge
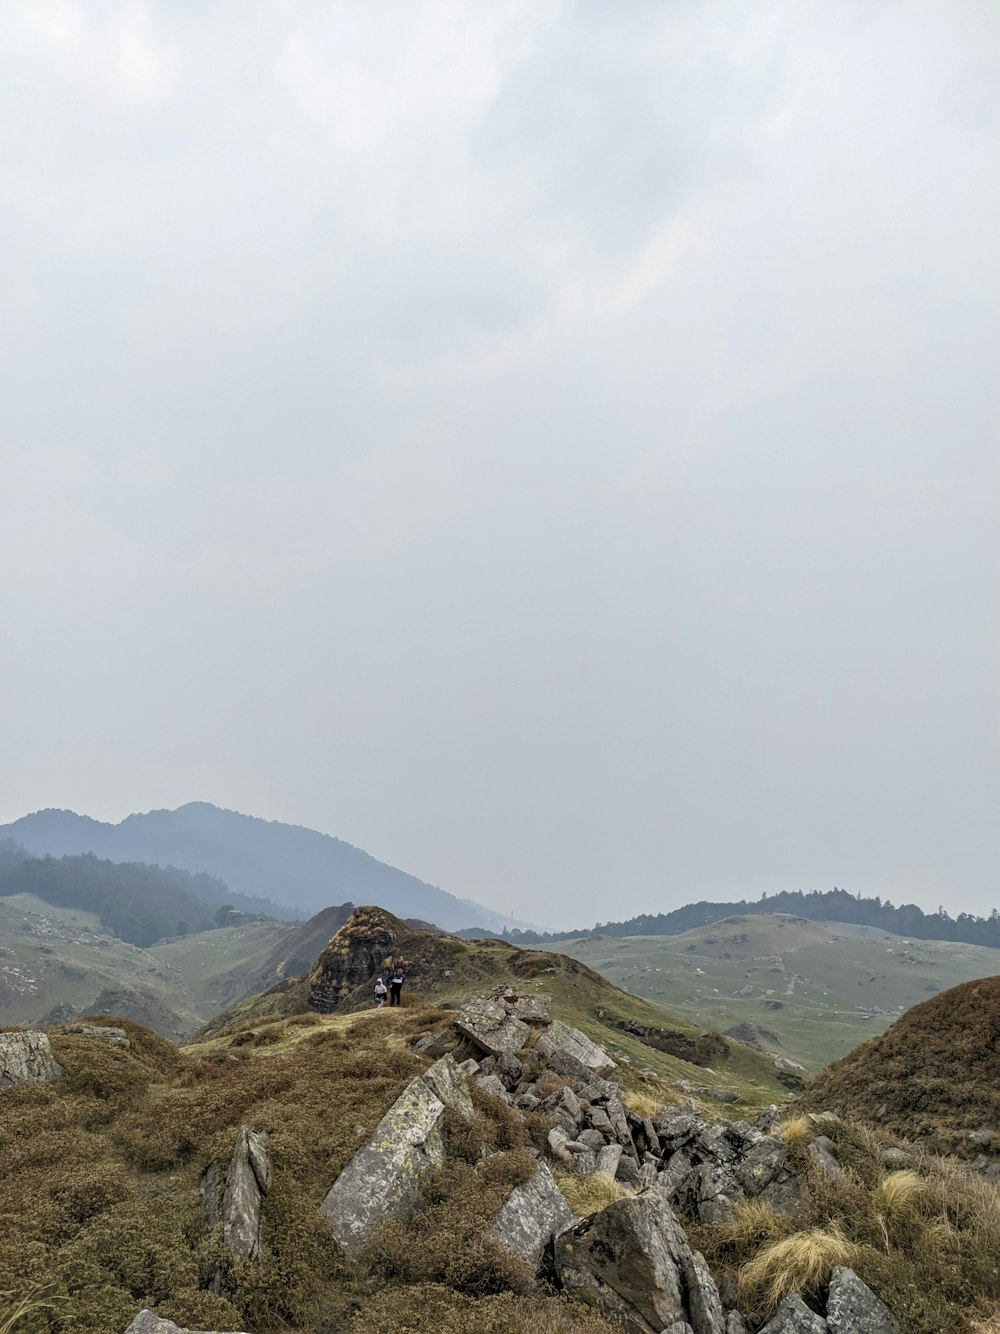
x: 289, y: 865
x: 834, y: 905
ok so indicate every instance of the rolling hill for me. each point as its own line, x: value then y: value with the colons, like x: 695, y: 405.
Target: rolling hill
x: 299, y: 869
x: 807, y: 991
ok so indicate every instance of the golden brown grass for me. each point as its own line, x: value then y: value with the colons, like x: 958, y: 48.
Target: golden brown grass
x: 588, y: 1195
x: 643, y: 1104
x: 800, y: 1263
x: 797, y: 1130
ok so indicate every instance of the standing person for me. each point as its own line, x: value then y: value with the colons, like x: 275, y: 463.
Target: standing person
x: 396, y: 985
x: 381, y: 991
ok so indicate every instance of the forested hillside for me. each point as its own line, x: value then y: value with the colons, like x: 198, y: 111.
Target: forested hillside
x: 835, y: 905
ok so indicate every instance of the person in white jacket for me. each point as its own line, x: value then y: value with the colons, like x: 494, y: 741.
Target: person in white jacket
x: 381, y: 991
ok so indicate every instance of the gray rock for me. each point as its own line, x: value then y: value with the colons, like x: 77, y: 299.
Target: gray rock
x: 894, y: 1157
x: 532, y: 1009
x: 446, y: 1080
x: 628, y: 1173
x: 487, y: 1023
x: 632, y: 1263
x: 735, y: 1323
x: 115, y: 1037
x: 26, y: 1058
x: 608, y: 1157
x: 852, y: 1307
x: 533, y: 1214
x: 600, y: 1120
x: 560, y: 1044
x: 247, y: 1182
x: 494, y: 1085
x: 146, y: 1322
x: 528, y: 1102
x: 469, y: 1067
x: 822, y: 1154
x: 592, y: 1138
x: 383, y: 1177
x: 794, y: 1317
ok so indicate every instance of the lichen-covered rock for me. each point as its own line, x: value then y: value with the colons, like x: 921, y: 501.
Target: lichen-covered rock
x: 568, y: 1051
x: 632, y: 1262
x: 383, y: 1177
x: 852, y: 1307
x: 533, y: 1214
x: 247, y: 1182
x: 26, y: 1058
x: 147, y: 1322
x: 446, y: 1080
x: 794, y: 1317
x: 531, y: 1009
x: 487, y: 1023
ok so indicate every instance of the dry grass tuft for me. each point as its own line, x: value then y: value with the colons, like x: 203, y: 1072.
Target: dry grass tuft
x: 797, y: 1130
x: 643, y: 1104
x: 589, y: 1195
x: 904, y: 1194
x: 800, y: 1263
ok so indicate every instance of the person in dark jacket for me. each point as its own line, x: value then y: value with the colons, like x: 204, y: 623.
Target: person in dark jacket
x: 396, y: 985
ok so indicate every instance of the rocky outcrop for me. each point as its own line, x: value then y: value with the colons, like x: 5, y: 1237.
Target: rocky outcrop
x: 533, y: 1214
x: 355, y: 955
x: 632, y: 1262
x: 146, y: 1322
x: 852, y: 1306
x: 383, y: 1177
x: 247, y: 1182
x: 114, y: 1037
x: 26, y: 1058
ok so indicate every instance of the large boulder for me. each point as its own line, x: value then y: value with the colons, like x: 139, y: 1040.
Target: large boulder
x: 487, y: 1023
x: 147, y: 1322
x: 26, y: 1058
x: 383, y: 1177
x: 852, y: 1307
x: 533, y: 1214
x: 568, y: 1051
x: 632, y: 1262
x: 115, y: 1037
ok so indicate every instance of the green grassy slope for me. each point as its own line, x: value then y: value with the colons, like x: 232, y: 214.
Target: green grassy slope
x: 817, y: 988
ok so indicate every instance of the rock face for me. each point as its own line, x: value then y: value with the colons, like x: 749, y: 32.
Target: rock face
x: 356, y: 954
x: 146, y: 1322
x: 383, y: 1177
x: 852, y: 1307
x: 26, y: 1058
x: 570, y: 1052
x: 632, y: 1262
x: 533, y: 1215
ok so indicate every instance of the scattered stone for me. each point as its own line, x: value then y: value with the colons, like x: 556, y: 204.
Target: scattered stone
x: 608, y: 1158
x: 735, y: 1323
x: 794, y: 1317
x: 494, y: 1085
x: 893, y: 1157
x: 852, y: 1307
x: 533, y: 1215
x: 567, y: 1051
x: 487, y: 1023
x: 26, y: 1058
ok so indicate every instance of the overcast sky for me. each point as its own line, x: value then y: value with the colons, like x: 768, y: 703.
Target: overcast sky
x: 553, y: 446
